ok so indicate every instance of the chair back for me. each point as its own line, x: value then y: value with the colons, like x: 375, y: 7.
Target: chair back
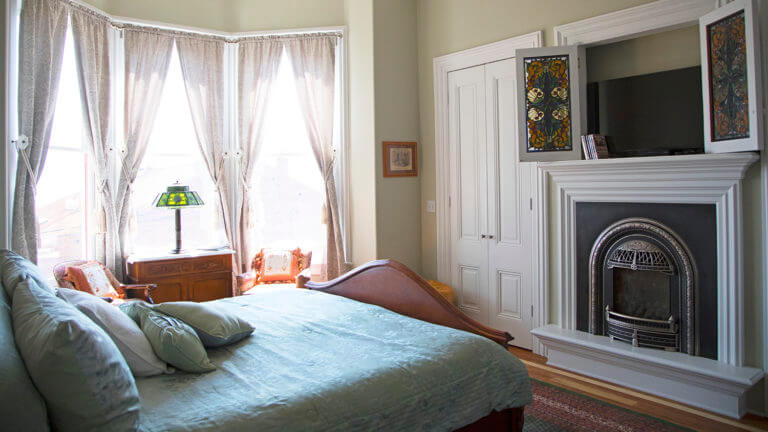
x: 60, y: 274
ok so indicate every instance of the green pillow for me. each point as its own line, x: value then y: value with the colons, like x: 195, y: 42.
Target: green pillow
x: 215, y: 326
x: 132, y: 309
x: 174, y: 342
x: 85, y: 381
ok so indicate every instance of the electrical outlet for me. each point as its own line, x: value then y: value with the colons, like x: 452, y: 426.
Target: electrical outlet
x: 430, y: 206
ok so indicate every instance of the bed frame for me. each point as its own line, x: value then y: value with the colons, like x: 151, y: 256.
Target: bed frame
x: 392, y: 285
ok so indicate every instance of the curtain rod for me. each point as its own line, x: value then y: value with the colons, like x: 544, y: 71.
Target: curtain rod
x: 122, y: 22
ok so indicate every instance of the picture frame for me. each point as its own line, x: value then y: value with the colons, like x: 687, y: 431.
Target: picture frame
x: 731, y: 78
x: 400, y: 158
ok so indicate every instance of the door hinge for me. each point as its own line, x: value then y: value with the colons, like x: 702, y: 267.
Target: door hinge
x: 449, y: 201
x: 530, y: 202
x: 531, y: 310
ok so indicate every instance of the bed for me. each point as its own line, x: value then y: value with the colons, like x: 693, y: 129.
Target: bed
x: 348, y: 355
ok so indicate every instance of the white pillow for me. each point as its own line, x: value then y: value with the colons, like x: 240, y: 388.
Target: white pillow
x: 126, y: 334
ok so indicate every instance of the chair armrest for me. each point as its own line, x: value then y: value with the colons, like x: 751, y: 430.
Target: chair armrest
x: 303, y: 278
x: 137, y: 291
x: 245, y: 281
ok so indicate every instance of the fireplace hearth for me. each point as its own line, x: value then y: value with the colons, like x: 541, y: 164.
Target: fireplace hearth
x: 643, y: 286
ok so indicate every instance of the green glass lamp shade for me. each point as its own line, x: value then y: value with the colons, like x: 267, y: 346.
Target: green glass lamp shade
x: 178, y: 197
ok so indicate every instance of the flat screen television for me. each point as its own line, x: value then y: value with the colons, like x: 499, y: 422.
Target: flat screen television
x: 646, y: 115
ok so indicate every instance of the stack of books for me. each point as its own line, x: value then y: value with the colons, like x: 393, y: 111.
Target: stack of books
x: 594, y: 147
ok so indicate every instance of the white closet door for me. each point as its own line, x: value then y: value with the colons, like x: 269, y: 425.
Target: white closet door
x: 510, y: 213
x: 467, y: 140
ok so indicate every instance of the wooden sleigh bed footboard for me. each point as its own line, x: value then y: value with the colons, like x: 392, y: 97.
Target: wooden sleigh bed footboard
x: 392, y: 285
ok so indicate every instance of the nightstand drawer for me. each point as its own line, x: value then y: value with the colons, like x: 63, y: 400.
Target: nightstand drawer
x: 180, y: 277
x: 184, y: 266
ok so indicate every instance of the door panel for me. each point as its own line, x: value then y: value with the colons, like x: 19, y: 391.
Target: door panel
x: 468, y: 190
x: 510, y: 249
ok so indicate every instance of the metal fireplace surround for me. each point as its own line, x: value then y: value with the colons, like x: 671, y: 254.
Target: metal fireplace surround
x: 643, y: 245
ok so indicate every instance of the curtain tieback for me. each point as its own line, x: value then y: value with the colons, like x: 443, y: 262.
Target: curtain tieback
x: 21, y: 145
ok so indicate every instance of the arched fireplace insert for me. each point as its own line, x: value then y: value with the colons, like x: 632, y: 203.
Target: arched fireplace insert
x: 642, y: 286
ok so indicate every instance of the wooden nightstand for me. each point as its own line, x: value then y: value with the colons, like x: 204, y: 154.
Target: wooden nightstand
x: 195, y: 276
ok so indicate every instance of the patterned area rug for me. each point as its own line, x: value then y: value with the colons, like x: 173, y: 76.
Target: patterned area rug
x: 557, y: 409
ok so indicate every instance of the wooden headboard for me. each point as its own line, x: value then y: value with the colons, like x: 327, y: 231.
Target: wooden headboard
x: 392, y: 285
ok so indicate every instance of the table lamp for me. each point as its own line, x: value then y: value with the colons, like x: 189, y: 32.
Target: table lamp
x: 177, y: 197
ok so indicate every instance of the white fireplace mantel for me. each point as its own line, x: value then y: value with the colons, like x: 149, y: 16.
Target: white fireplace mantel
x: 689, y: 179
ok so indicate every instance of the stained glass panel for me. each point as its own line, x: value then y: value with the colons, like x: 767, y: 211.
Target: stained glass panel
x: 548, y: 103
x: 728, y: 92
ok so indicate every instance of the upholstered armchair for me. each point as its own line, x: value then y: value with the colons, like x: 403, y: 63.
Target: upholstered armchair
x: 123, y: 291
x: 293, y: 269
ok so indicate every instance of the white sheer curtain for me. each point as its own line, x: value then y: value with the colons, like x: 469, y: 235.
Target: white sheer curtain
x: 92, y: 54
x: 258, y: 62
x: 202, y: 64
x: 147, y: 56
x: 42, y: 35
x: 313, y: 60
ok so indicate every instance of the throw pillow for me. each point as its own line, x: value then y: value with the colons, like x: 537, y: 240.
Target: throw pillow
x: 125, y: 333
x: 22, y: 407
x: 91, y: 277
x: 14, y: 268
x: 215, y: 326
x: 86, y: 384
x: 279, y: 265
x: 174, y: 341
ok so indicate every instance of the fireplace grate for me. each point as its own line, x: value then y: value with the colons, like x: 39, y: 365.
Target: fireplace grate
x: 640, y: 255
x: 643, y: 332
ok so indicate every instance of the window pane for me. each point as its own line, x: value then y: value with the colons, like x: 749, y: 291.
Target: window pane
x: 287, y: 190
x: 62, y: 198
x: 173, y: 155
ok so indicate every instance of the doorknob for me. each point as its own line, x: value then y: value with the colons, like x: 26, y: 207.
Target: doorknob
x: 490, y: 236
x: 482, y: 235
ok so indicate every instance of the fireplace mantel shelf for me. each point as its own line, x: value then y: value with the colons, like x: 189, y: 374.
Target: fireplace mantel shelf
x: 734, y: 164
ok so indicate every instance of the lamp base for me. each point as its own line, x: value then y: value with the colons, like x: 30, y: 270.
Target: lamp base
x: 178, y: 251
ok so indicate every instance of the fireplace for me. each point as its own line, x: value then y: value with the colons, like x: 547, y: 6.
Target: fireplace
x: 642, y: 287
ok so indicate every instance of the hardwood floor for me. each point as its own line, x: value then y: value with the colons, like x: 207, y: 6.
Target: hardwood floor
x: 634, y: 400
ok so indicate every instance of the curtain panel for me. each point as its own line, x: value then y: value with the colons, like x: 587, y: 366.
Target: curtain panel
x: 92, y: 58
x: 43, y: 30
x: 313, y: 60
x: 258, y: 62
x: 202, y: 64
x: 147, y: 57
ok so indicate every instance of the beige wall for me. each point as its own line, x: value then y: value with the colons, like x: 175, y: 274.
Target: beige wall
x: 397, y: 119
x: 362, y: 142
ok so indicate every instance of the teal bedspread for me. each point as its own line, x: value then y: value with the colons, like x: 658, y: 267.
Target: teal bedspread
x: 318, y: 362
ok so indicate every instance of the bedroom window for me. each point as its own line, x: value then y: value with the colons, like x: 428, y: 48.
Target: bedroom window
x: 287, y: 189
x: 173, y: 155
x: 64, y: 198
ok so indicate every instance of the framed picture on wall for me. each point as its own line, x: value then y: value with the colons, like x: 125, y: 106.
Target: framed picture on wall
x: 731, y: 78
x: 400, y: 159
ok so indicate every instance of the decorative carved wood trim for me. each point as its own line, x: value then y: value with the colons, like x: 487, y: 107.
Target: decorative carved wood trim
x: 392, y: 285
